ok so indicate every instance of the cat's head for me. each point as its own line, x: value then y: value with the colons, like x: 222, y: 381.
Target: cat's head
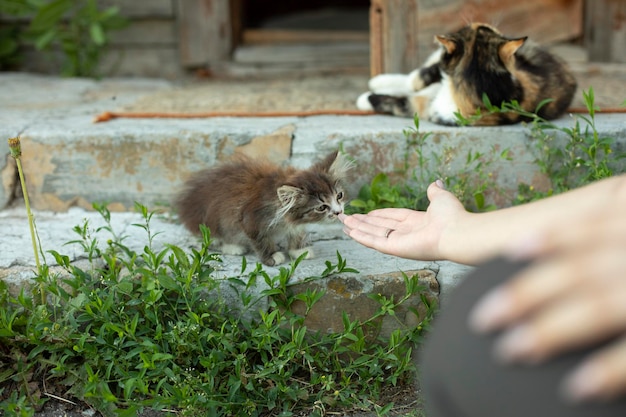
x: 477, y: 47
x: 315, y: 194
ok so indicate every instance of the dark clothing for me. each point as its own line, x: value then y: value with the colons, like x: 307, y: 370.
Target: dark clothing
x: 460, y: 378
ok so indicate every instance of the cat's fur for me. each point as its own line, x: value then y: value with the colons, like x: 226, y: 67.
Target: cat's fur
x: 474, y: 61
x: 250, y: 204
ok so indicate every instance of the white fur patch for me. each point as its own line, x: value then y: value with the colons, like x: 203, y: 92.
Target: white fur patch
x: 362, y: 103
x: 434, y: 57
x: 415, y: 83
x: 443, y: 106
x: 232, y: 249
x: 278, y: 258
x: 391, y: 84
x: 295, y: 253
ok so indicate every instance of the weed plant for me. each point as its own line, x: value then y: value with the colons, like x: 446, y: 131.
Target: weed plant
x: 470, y: 183
x: 150, y: 329
x: 569, y: 157
x: 80, y: 29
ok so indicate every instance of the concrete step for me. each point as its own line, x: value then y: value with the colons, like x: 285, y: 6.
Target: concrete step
x: 71, y: 162
x: 346, y: 291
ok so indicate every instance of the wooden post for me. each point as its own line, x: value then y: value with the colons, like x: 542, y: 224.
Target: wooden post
x: 205, y: 32
x: 605, y: 30
x: 393, y: 36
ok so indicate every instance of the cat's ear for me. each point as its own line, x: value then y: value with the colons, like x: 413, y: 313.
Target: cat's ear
x: 447, y: 43
x: 289, y: 195
x: 340, y: 166
x: 336, y: 164
x: 508, y: 49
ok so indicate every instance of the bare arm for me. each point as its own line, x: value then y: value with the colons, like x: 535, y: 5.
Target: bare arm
x: 447, y: 231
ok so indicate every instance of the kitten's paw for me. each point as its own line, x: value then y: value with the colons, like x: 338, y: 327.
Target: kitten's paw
x: 363, y: 102
x: 232, y: 249
x: 295, y: 253
x: 278, y: 258
x: 391, y: 84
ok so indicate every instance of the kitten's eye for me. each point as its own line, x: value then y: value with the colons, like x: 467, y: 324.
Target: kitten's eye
x: 321, y: 208
x: 339, y: 195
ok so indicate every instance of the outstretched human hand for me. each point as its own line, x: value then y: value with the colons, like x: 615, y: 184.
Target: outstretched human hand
x: 572, y: 296
x: 409, y: 233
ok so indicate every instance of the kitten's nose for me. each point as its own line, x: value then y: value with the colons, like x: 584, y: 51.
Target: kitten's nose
x: 337, y: 212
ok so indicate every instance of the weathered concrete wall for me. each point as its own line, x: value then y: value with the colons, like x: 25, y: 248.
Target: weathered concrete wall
x: 147, y: 160
x: 70, y: 161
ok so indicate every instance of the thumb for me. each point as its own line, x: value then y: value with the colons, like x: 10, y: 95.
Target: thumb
x: 436, y: 188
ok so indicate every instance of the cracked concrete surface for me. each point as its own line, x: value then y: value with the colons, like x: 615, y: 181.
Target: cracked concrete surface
x: 71, y: 162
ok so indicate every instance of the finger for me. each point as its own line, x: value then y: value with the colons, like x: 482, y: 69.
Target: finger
x: 535, y: 285
x: 600, y: 377
x: 397, y: 214
x: 546, y: 280
x: 371, y: 225
x: 608, y: 227
x: 574, y: 322
x: 367, y: 239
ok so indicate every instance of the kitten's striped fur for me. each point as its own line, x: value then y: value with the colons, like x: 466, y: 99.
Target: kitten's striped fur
x: 254, y: 205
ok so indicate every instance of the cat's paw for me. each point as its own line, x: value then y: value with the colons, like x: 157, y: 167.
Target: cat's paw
x: 392, y: 84
x: 232, y: 249
x: 415, y: 81
x: 295, y: 253
x: 363, y: 102
x: 443, y: 108
x: 278, y: 258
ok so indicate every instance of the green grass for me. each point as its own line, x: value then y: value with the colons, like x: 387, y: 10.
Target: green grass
x: 151, y: 329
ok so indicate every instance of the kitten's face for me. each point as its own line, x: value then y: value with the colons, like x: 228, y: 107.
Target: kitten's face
x: 320, y: 207
x: 315, y: 194
x: 318, y: 198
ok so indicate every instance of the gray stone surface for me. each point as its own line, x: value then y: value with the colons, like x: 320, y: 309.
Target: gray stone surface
x: 70, y: 161
x: 17, y: 262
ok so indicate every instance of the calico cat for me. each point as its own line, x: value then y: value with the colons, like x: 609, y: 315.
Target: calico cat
x: 474, y: 61
x: 249, y: 204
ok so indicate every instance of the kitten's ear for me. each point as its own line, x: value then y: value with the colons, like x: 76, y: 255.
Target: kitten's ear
x: 340, y: 166
x: 447, y: 43
x: 336, y: 164
x: 508, y: 49
x: 288, y: 195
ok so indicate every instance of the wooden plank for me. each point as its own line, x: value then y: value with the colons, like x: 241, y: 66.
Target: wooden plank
x: 205, y: 32
x: 142, y: 9
x: 348, y: 53
x: 133, y: 61
x: 148, y: 32
x: 605, y: 30
x: 393, y: 36
x: 264, y: 36
x: 544, y: 21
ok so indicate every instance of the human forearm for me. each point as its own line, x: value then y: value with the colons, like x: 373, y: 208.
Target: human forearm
x: 473, y: 238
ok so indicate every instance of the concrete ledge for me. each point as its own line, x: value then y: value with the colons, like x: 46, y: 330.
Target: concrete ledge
x: 70, y: 161
x: 378, y: 273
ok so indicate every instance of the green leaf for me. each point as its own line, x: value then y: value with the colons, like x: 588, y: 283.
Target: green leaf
x: 16, y: 7
x: 8, y: 46
x: 97, y: 34
x: 50, y: 14
x: 358, y: 203
x: 43, y: 41
x: 479, y: 198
